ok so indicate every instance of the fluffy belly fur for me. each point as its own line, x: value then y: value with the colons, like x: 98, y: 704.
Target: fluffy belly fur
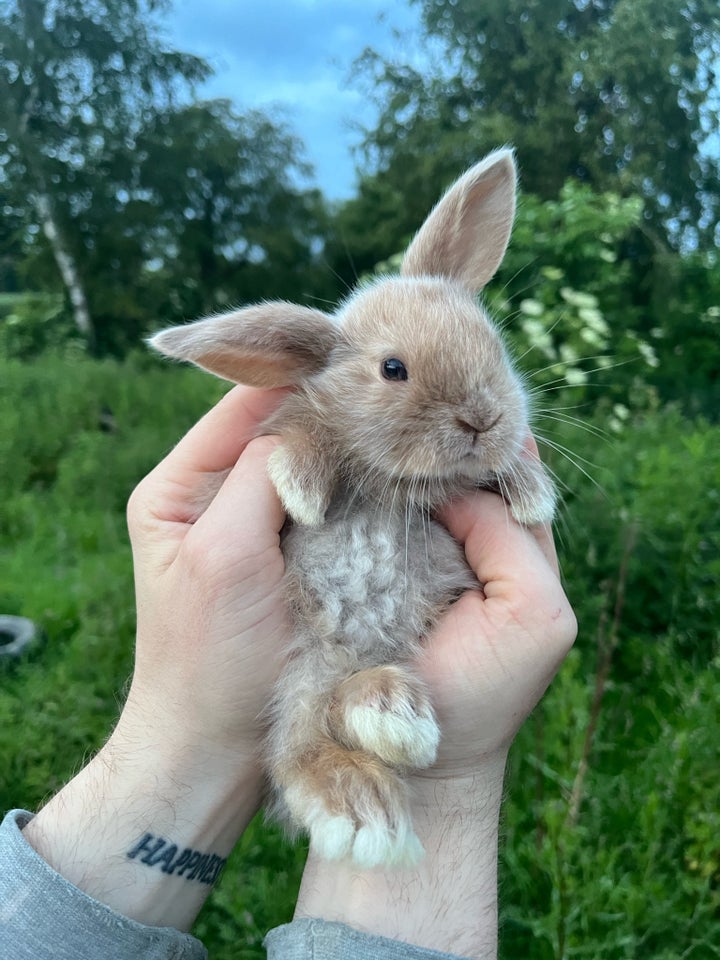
x: 349, y: 714
x: 373, y: 580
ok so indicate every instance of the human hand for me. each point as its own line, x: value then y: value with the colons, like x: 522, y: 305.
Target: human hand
x: 493, y: 654
x: 212, y: 622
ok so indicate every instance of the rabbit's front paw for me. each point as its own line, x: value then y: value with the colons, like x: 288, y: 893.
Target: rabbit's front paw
x: 386, y: 711
x: 530, y: 493
x: 299, y: 486
x: 353, y: 807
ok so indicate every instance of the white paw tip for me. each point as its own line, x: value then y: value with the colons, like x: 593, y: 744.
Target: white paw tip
x: 412, y: 851
x: 332, y: 837
x: 373, y: 847
x: 406, y: 738
x: 541, y: 511
x: 300, y: 505
x: 377, y: 846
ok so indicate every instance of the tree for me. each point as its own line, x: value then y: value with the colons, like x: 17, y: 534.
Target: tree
x: 78, y: 79
x: 226, y: 216
x: 619, y: 94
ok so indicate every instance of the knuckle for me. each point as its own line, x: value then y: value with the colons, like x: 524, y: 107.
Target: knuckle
x: 562, y: 625
x: 136, y: 510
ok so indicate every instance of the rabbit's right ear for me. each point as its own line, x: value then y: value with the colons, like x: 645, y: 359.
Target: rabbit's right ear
x: 274, y: 344
x: 465, y: 237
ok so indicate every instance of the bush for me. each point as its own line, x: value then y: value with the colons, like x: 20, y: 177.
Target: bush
x: 33, y: 322
x: 611, y: 822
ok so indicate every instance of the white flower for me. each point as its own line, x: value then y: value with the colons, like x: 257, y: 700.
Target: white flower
x: 591, y: 337
x: 648, y: 354
x: 577, y: 298
x: 574, y: 376
x: 531, y: 308
x: 592, y: 317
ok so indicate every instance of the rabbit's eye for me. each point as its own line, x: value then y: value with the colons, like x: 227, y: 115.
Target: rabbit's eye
x: 394, y: 369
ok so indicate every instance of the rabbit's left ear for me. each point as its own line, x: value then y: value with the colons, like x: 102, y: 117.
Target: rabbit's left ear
x: 465, y: 237
x: 275, y: 344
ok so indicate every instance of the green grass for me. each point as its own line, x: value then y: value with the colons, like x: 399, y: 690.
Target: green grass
x: 620, y: 862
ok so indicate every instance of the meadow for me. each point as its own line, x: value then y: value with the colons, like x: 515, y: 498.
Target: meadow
x: 612, y: 812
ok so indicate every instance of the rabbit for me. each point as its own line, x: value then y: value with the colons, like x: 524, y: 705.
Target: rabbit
x: 402, y: 400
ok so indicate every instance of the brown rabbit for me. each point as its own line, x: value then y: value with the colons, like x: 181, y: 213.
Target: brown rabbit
x: 403, y: 399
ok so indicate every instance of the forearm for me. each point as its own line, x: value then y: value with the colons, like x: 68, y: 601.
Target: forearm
x: 146, y: 829
x: 449, y: 902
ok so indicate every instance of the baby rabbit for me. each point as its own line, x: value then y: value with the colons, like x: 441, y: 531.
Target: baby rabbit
x: 402, y: 399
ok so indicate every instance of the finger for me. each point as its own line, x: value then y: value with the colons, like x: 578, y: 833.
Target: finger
x: 247, y: 508
x: 505, y: 556
x: 544, y: 538
x: 182, y: 486
x: 216, y: 441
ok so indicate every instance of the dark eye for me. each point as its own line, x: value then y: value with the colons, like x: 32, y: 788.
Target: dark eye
x: 394, y: 369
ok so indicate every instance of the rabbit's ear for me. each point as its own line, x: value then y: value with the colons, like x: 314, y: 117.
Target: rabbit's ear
x: 465, y: 236
x: 274, y: 344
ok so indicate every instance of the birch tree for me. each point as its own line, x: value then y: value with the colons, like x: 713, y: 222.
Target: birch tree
x: 78, y: 81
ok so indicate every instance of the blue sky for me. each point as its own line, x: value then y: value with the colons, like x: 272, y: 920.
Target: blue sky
x: 296, y: 54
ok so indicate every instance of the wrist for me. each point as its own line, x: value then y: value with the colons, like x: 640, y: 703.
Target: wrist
x: 178, y: 749
x: 449, y: 901
x: 147, y: 825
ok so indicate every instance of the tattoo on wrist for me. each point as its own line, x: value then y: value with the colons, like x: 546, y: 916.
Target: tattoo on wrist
x: 181, y: 862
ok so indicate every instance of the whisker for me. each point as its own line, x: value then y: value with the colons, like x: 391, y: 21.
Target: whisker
x: 564, y: 452
x: 579, y: 424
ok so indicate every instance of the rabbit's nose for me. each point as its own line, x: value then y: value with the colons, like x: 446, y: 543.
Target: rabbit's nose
x: 477, y: 425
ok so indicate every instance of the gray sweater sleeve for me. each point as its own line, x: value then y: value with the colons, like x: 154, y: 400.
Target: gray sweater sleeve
x: 319, y: 940
x: 44, y: 917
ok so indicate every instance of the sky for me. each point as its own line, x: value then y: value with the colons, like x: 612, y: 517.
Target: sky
x: 297, y: 54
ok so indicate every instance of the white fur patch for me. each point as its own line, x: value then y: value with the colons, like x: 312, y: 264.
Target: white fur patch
x: 398, y: 737
x: 376, y: 846
x: 298, y: 502
x: 336, y: 837
x: 540, y: 508
x: 332, y: 837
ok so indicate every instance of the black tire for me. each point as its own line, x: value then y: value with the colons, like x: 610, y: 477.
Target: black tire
x: 16, y: 635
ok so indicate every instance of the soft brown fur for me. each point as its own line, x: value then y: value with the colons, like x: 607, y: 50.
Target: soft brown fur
x: 364, y: 460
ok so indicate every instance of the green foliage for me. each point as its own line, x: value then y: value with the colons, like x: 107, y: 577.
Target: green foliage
x: 222, y: 217
x: 602, y: 856
x: 660, y: 480
x: 611, y: 817
x: 613, y: 92
x: 33, y: 322
x: 561, y: 295
x: 635, y: 874
x: 76, y: 438
x: 610, y: 846
x: 77, y: 82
